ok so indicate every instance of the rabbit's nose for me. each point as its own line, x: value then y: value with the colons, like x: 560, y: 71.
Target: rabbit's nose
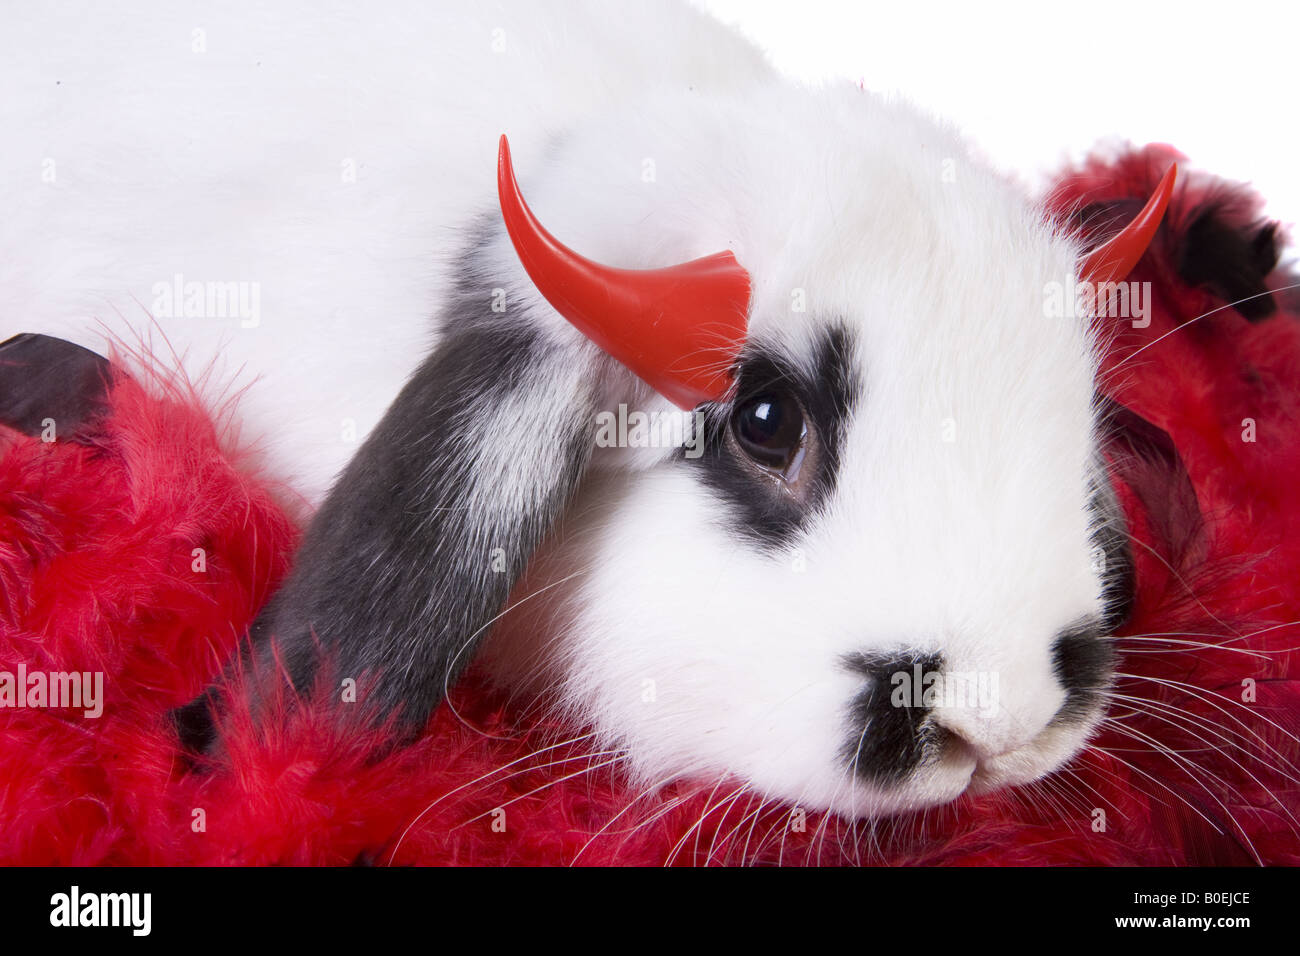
x: 985, y: 727
x: 915, y: 709
x: 973, y: 708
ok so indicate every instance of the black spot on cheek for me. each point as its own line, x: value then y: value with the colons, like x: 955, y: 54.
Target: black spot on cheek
x: 1083, y: 661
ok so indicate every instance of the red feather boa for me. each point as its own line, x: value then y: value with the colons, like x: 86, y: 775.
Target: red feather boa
x: 97, y: 573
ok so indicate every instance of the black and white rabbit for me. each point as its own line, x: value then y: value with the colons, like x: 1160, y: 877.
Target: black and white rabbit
x: 890, y: 486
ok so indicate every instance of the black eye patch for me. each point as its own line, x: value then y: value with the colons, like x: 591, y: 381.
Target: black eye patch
x: 826, y: 391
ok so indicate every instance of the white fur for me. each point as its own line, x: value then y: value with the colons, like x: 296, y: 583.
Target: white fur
x: 227, y: 165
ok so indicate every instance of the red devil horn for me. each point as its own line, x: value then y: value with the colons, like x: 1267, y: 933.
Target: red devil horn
x: 1113, y: 260
x: 679, y: 329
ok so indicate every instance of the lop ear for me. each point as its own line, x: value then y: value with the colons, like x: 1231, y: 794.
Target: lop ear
x: 415, y: 550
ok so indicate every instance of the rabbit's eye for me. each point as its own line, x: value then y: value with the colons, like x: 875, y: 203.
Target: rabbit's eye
x: 770, y: 429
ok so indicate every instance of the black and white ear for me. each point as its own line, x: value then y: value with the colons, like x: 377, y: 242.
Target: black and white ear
x: 415, y: 550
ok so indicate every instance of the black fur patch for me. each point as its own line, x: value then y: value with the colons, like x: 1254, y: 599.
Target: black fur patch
x: 1082, y: 660
x: 1110, y: 537
x: 394, y: 575
x: 886, y: 742
x: 43, y: 378
x: 828, y: 393
x: 399, y: 575
x: 1082, y: 655
x: 1230, y: 261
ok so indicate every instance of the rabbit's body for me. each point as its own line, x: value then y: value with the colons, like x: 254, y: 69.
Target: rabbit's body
x: 704, y: 615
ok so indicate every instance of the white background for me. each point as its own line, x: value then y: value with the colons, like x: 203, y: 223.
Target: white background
x: 1035, y: 85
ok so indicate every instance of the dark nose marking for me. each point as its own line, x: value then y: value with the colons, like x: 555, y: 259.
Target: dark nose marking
x: 890, y: 732
x: 1082, y: 660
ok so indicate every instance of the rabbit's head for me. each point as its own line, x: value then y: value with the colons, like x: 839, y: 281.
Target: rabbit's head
x: 872, y: 564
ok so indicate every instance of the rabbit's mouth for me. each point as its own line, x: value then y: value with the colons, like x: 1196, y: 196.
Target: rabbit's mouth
x: 1047, y: 752
x: 956, y: 769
